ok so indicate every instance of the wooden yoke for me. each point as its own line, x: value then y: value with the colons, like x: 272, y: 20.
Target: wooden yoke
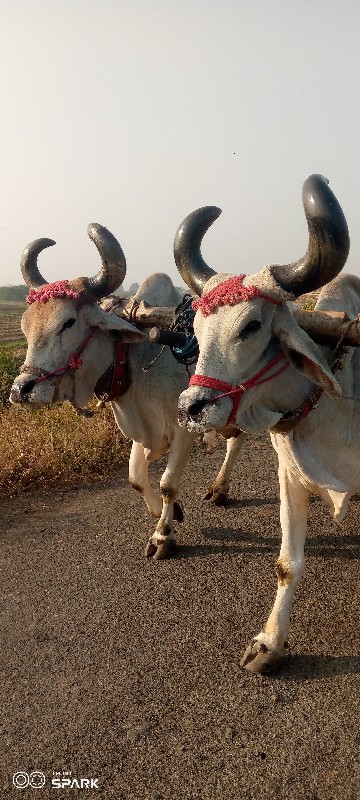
x: 328, y: 327
x: 324, y: 327
x: 144, y: 316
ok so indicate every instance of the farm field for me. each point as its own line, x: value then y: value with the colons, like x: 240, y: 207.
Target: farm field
x: 10, y: 318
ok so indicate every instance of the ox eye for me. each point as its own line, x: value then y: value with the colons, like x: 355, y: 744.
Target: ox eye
x: 250, y: 328
x: 68, y: 324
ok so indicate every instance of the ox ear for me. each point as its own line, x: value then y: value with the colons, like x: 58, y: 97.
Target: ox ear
x: 302, y: 352
x: 109, y: 322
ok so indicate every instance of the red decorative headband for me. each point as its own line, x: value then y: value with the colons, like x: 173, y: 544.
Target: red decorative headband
x: 229, y: 293
x: 51, y: 290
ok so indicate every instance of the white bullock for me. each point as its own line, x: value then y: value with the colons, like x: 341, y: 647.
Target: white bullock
x: 259, y: 370
x: 76, y: 347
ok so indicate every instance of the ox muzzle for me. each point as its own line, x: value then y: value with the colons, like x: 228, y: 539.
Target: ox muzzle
x: 21, y: 391
x: 28, y: 391
x: 41, y: 388
x: 198, y: 409
x: 193, y: 404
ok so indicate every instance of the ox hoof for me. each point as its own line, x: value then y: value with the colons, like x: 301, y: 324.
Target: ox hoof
x: 216, y: 497
x: 161, y: 550
x: 258, y: 659
x: 178, y: 513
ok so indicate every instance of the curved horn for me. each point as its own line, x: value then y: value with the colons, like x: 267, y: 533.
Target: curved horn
x: 329, y: 241
x: 28, y: 262
x: 113, y: 269
x: 189, y: 235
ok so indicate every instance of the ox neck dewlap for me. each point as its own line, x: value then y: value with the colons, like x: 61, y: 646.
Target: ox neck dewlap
x: 231, y: 292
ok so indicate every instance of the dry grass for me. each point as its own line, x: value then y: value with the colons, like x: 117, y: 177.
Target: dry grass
x: 308, y: 301
x: 55, y: 447
x: 52, y: 446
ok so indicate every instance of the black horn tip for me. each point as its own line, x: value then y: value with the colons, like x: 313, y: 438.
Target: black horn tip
x: 329, y: 241
x: 28, y: 262
x: 196, y: 223
x: 34, y: 248
x: 113, y: 271
x: 187, y: 247
x: 320, y: 203
x: 317, y: 196
x: 98, y: 234
x: 323, y: 209
x: 108, y: 246
x: 315, y: 181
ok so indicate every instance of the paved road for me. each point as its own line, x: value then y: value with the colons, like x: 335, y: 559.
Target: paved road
x: 126, y: 672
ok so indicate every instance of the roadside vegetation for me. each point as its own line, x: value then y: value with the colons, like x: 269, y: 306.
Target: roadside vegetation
x: 51, y: 447
x: 55, y: 447
x: 308, y: 301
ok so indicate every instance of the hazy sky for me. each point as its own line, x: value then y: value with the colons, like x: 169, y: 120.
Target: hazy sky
x: 133, y: 114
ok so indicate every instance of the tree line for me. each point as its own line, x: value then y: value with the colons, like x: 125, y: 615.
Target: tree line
x: 19, y: 293
x: 14, y: 293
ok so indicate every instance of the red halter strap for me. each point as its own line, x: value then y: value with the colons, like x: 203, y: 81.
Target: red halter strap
x: 235, y: 392
x: 116, y: 380
x: 61, y: 289
x: 230, y: 293
x: 73, y: 363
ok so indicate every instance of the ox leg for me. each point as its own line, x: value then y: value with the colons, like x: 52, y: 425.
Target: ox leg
x: 162, y: 543
x: 139, y: 479
x: 267, y: 650
x: 219, y: 491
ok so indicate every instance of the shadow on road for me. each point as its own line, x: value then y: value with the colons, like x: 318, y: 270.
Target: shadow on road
x: 227, y: 541
x: 252, y: 502
x: 310, y: 667
x: 273, y: 501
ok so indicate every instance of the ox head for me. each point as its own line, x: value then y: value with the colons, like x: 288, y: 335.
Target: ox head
x: 246, y: 332
x: 59, y: 324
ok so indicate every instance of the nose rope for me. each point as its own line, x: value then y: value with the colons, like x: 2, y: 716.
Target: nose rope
x: 230, y: 293
x: 235, y: 392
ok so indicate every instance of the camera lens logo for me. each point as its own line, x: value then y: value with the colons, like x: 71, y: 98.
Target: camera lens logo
x: 21, y: 780
x: 37, y: 779
x: 34, y: 780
